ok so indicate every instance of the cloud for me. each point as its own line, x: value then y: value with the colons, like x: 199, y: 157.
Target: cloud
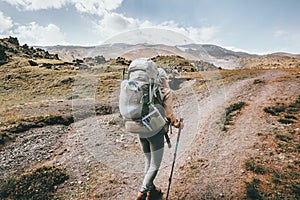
x: 37, y: 4
x: 91, y: 6
x: 108, y: 24
x: 114, y: 24
x: 203, y: 34
x: 6, y: 23
x: 35, y: 34
x: 95, y: 6
x: 197, y: 34
x: 280, y: 33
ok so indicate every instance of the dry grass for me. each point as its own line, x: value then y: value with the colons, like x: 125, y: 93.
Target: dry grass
x: 214, y: 78
x: 270, y: 62
x: 229, y: 76
x: 275, y: 175
x: 31, y: 95
x: 21, y: 85
x: 39, y: 184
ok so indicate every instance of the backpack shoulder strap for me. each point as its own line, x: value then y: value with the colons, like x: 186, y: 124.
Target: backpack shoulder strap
x: 151, y: 90
x: 123, y: 74
x: 158, y: 96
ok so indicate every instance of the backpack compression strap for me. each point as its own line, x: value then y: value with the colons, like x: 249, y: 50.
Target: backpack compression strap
x: 151, y: 90
x: 133, y: 70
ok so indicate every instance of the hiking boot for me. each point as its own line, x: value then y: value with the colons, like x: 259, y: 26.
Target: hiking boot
x: 154, y: 194
x: 141, y: 196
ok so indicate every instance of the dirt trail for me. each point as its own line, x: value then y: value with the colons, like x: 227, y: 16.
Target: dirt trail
x: 104, y: 162
x: 221, y: 154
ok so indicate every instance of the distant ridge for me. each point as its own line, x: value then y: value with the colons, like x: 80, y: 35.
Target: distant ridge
x: 216, y: 55
x: 11, y: 50
x: 221, y: 52
x: 193, y: 49
x: 194, y: 53
x: 284, y: 54
x: 210, y: 53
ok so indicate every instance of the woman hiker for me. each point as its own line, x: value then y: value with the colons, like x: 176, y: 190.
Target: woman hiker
x: 153, y: 147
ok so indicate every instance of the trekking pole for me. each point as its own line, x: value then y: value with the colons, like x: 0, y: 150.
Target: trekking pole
x: 175, y: 153
x: 123, y: 74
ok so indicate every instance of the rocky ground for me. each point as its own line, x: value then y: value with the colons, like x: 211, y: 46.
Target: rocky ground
x: 104, y: 162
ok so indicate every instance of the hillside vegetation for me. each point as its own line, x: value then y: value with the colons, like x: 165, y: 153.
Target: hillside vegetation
x: 53, y: 114
x: 272, y: 61
x: 34, y: 78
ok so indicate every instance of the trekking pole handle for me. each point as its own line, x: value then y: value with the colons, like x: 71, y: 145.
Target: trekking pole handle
x: 180, y: 120
x: 178, y: 136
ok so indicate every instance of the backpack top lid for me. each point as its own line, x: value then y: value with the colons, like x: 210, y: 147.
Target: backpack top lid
x: 143, y: 69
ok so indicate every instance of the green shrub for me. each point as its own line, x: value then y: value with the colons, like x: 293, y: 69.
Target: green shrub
x: 3, y: 56
x: 296, y: 188
x: 275, y: 110
x: 294, y: 108
x: 260, y: 169
x: 39, y: 121
x: 283, y: 137
x: 285, y: 121
x: 254, y: 167
x: 290, y: 117
x: 234, y: 107
x: 250, y: 164
x: 252, y: 189
x: 257, y: 81
x: 229, y: 114
x: 38, y: 184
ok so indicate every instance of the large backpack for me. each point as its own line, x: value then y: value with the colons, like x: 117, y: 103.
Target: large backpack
x: 139, y: 98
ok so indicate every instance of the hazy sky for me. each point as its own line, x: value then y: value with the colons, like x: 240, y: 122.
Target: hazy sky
x: 255, y: 26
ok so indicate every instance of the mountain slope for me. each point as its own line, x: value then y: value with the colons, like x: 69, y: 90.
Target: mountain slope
x: 216, y: 55
x: 190, y: 51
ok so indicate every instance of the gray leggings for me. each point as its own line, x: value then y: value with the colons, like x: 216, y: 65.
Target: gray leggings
x: 153, y: 149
